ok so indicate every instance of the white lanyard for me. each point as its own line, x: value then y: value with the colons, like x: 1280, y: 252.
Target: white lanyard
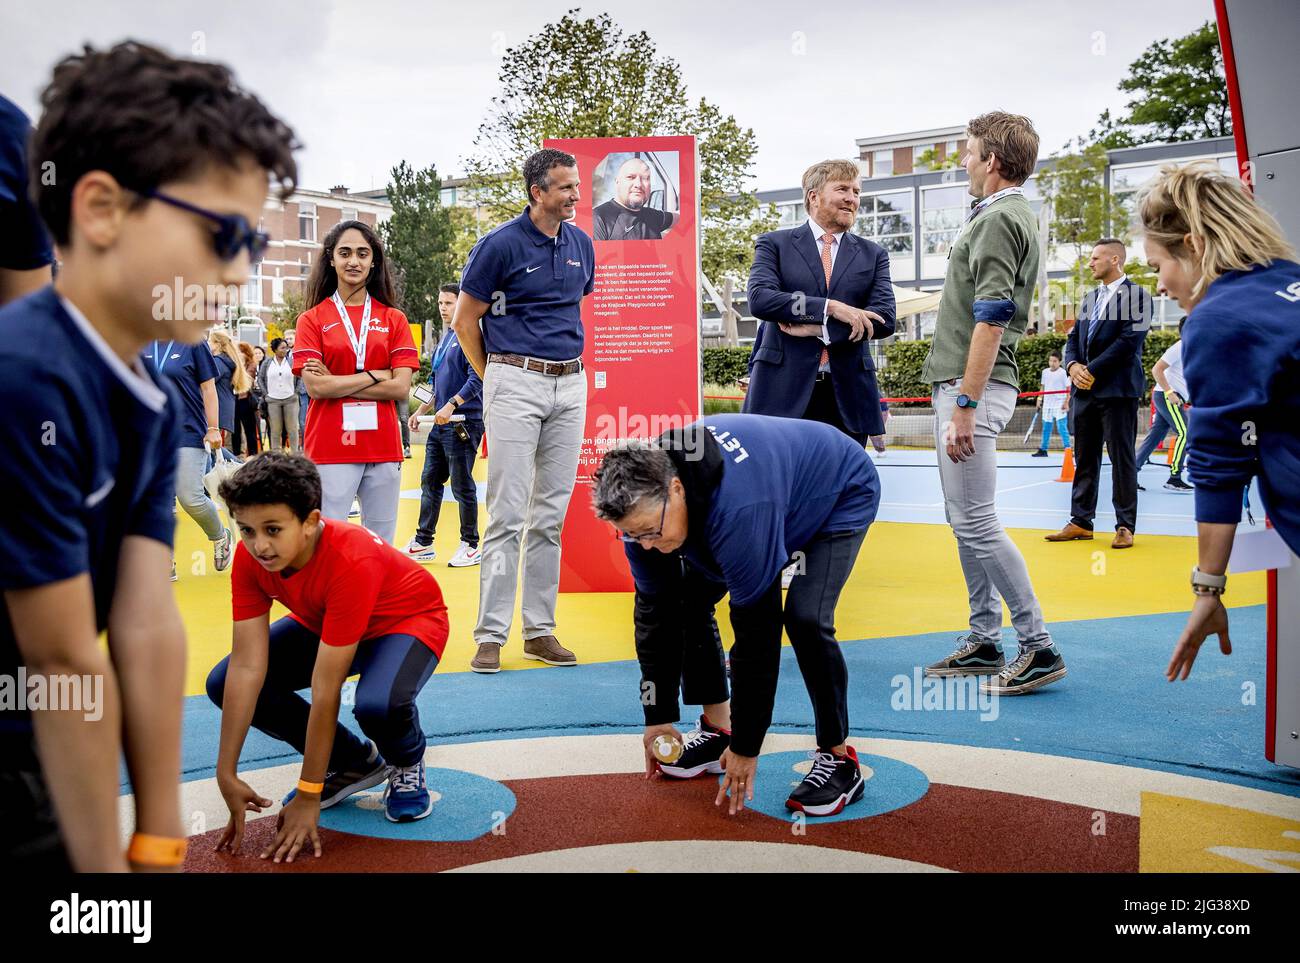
x: 985, y: 202
x: 358, y: 342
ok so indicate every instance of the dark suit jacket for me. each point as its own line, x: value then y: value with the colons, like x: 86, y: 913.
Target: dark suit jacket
x: 787, y: 284
x: 1114, y: 352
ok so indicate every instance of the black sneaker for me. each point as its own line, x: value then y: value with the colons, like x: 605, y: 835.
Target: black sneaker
x: 833, y: 783
x: 701, y: 752
x: 971, y: 658
x: 343, y: 783
x: 1041, y: 453
x: 1029, y: 671
x: 1176, y: 484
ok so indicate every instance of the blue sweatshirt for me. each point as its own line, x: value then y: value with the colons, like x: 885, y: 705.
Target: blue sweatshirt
x: 780, y: 483
x: 1241, y: 358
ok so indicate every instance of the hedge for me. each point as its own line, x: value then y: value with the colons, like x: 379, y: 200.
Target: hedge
x: 901, y: 375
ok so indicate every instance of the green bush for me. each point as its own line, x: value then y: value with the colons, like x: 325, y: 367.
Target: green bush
x: 424, y: 374
x: 901, y: 378
x: 722, y: 366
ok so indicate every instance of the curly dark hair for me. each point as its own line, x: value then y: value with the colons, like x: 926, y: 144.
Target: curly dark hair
x: 274, y: 478
x: 147, y: 118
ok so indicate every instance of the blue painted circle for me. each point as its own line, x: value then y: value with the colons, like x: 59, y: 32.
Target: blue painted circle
x: 470, y: 806
x: 890, y: 785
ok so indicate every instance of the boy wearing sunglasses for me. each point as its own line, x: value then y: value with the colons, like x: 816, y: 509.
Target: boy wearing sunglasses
x: 722, y: 506
x: 145, y: 193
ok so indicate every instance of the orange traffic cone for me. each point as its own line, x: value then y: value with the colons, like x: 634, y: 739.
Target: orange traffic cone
x: 1067, y: 467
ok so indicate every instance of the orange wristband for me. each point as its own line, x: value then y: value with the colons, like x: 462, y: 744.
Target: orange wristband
x: 146, y: 850
x: 312, y: 787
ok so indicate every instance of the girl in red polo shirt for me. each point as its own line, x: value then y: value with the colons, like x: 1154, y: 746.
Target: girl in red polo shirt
x: 356, y: 356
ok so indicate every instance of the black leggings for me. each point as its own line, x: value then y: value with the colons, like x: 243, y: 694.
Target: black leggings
x: 246, y: 427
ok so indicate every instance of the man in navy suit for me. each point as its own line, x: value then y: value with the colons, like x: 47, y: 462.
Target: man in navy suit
x: 822, y: 293
x: 1103, y: 358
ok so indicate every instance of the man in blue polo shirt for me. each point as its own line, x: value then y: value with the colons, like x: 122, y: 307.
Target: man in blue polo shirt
x: 732, y: 500
x: 192, y: 371
x: 525, y: 281
x: 450, y: 448
x: 25, y: 250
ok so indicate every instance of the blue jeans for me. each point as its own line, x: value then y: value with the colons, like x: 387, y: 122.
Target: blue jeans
x: 303, y: 402
x: 446, y: 456
x: 1060, y: 424
x: 393, y: 668
x: 191, y: 466
x: 1167, y: 420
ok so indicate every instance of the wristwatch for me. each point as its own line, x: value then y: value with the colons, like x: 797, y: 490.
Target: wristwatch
x: 453, y: 402
x: 1203, y: 584
x: 966, y: 401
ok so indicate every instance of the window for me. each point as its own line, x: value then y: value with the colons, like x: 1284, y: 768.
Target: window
x: 792, y: 213
x: 306, y: 221
x: 253, y: 289
x: 917, y: 153
x: 348, y: 214
x: 882, y: 163
x: 887, y: 219
x: 943, y: 211
x: 951, y: 148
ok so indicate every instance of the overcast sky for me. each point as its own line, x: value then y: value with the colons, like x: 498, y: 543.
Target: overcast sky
x: 368, y: 85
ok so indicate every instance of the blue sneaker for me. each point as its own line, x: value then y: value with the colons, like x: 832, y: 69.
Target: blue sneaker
x: 344, y: 782
x: 407, y: 797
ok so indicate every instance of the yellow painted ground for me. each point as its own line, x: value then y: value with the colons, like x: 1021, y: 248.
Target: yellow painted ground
x: 907, y: 581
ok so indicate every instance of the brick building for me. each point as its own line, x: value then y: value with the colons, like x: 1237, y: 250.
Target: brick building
x: 296, y: 227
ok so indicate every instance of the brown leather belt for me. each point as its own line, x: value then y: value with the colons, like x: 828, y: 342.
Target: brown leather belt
x: 553, y: 368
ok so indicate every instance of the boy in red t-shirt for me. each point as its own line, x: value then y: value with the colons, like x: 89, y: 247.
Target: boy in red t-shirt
x: 357, y: 605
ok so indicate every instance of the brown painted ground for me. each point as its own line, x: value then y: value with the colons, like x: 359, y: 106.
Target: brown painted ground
x: 967, y: 830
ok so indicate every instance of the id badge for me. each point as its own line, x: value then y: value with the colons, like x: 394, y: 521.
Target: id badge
x: 360, y: 416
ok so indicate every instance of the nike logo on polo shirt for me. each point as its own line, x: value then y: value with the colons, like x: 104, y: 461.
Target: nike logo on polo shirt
x: 532, y: 269
x: 328, y: 326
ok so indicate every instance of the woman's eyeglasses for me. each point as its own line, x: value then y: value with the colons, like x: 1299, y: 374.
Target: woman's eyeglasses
x: 647, y: 536
x: 233, y: 231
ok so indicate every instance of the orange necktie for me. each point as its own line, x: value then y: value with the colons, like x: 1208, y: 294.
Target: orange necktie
x: 827, y: 241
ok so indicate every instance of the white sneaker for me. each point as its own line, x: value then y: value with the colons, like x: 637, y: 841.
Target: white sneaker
x: 355, y: 510
x: 421, y: 553
x: 466, y: 556
x: 222, y: 549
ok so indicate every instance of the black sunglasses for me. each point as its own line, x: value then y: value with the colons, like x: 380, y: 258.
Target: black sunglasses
x: 233, y: 230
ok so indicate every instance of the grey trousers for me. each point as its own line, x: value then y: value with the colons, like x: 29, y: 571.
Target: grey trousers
x: 376, y: 485
x: 534, y: 427
x: 993, y: 566
x: 282, y: 419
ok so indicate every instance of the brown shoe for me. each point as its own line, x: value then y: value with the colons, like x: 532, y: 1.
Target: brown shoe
x: 1070, y: 533
x: 546, y: 648
x: 488, y: 658
x: 1123, y: 538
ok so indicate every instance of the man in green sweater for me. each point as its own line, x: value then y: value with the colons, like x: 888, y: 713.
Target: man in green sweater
x: 984, y: 311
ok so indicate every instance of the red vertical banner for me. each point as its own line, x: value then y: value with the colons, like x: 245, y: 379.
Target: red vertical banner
x: 640, y: 204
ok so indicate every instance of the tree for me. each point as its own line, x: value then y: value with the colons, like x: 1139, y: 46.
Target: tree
x: 1082, y: 210
x: 929, y: 161
x: 466, y: 229
x: 584, y: 77
x: 418, y: 240
x: 1180, y: 94
x: 285, y: 314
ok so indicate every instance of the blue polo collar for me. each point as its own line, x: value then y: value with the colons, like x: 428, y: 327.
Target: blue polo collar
x: 536, y: 236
